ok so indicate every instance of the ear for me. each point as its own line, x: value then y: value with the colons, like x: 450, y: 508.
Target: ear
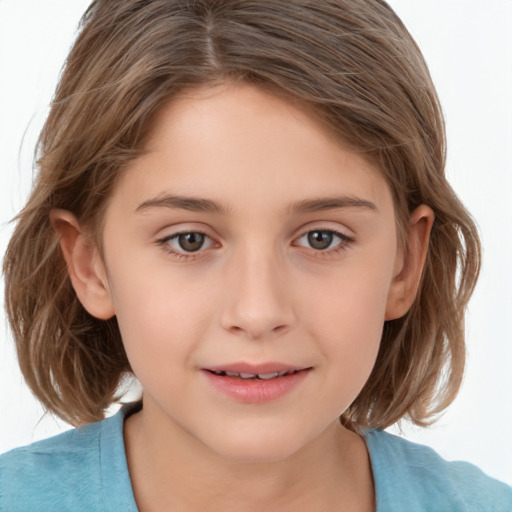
x: 84, y: 263
x: 409, y: 264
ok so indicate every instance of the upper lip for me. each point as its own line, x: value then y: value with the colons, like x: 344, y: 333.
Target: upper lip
x: 256, y: 369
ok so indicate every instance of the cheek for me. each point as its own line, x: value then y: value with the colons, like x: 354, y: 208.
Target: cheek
x: 353, y: 298
x: 346, y: 316
x: 160, y: 317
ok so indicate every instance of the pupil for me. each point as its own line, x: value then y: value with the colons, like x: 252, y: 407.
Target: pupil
x: 320, y: 239
x: 191, y: 242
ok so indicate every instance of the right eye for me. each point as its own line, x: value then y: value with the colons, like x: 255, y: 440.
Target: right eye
x: 186, y: 242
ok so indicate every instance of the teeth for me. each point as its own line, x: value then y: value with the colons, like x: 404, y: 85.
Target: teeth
x: 267, y: 376
x: 262, y: 376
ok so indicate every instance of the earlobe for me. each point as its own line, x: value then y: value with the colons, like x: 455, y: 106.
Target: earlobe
x: 85, y: 266
x: 410, y: 263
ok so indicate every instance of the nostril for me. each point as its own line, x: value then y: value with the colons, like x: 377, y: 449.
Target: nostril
x: 256, y: 319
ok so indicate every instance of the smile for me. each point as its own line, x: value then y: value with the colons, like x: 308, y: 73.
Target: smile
x: 260, y: 376
x: 253, y: 384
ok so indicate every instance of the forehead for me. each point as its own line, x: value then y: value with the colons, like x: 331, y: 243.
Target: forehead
x: 240, y: 144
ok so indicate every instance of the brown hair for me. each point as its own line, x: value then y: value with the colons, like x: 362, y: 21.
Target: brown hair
x: 351, y: 61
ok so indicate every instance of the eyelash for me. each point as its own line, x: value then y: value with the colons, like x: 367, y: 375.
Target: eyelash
x: 342, y: 245
x: 165, y: 245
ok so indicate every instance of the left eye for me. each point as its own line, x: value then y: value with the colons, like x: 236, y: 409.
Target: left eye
x: 189, y: 242
x: 322, y: 239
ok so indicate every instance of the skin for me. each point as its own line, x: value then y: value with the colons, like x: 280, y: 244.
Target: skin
x: 256, y: 291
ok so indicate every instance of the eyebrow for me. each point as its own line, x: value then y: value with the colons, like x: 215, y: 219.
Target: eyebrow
x: 189, y: 203
x: 197, y: 204
x: 331, y: 203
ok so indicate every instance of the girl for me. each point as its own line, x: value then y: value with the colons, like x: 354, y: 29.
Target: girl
x: 243, y: 204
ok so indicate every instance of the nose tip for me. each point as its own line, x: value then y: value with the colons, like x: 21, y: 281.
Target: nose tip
x: 258, y: 301
x: 255, y: 328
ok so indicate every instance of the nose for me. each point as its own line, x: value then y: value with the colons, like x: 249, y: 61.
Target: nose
x: 257, y: 295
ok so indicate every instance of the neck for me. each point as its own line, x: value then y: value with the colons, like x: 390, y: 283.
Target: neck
x: 170, y: 470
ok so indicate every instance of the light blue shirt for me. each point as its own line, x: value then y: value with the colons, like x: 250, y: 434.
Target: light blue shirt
x: 85, y: 469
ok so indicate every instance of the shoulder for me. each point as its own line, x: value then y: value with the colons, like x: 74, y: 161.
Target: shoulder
x: 415, y: 478
x: 55, y: 472
x: 65, y: 472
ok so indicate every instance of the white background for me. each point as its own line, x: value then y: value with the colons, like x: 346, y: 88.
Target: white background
x: 468, y: 45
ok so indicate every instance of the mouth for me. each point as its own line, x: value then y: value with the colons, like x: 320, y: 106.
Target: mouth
x: 253, y: 384
x: 255, y: 376
x: 263, y: 371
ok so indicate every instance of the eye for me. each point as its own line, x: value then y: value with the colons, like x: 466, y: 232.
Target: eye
x: 323, y: 239
x: 190, y: 242
x: 187, y: 242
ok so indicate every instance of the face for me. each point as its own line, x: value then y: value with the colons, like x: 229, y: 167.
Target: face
x: 250, y: 261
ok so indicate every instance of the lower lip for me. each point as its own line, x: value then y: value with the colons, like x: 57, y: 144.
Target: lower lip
x: 256, y: 391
